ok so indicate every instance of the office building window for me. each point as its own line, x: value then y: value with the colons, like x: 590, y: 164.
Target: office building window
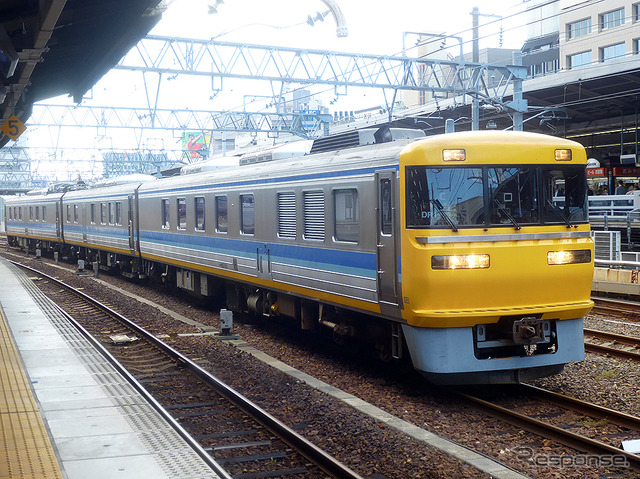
x: 612, y: 19
x: 579, y: 28
x: 611, y: 52
x: 579, y: 60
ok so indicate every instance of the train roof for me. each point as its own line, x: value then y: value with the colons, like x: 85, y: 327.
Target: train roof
x: 105, y: 191
x: 369, y: 156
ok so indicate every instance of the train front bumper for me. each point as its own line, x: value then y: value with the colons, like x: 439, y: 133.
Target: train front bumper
x: 446, y: 356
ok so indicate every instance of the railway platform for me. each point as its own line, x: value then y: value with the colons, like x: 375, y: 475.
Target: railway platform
x: 65, y: 411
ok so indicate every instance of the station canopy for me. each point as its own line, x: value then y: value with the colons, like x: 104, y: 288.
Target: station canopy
x: 56, y: 47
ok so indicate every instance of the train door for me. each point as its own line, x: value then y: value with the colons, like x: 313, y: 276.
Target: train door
x: 132, y: 239
x: 386, y: 245
x: 84, y: 223
x: 58, y: 222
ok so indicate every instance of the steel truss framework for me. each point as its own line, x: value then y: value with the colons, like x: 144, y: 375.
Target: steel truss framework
x: 15, y: 169
x: 459, y: 82
x: 491, y: 83
x: 303, y: 124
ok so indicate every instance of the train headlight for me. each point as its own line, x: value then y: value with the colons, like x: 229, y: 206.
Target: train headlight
x: 569, y: 256
x: 454, y: 155
x: 462, y: 261
x: 563, y: 154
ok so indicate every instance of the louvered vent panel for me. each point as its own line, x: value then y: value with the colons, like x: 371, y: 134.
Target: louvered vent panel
x: 314, y: 215
x: 287, y: 215
x: 336, y: 142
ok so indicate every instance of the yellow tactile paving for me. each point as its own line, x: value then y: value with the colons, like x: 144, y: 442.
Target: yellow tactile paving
x: 25, y: 449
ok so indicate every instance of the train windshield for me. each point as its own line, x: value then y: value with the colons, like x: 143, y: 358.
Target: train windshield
x: 455, y: 197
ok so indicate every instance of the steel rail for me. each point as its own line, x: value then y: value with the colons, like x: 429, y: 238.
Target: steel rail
x: 301, y: 444
x: 607, y: 336
x: 555, y: 433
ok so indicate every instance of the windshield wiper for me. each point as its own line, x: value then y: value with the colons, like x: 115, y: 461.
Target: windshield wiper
x: 559, y: 211
x: 447, y: 218
x: 507, y: 214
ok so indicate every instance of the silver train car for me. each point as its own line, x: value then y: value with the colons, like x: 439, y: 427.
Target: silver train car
x: 424, y: 241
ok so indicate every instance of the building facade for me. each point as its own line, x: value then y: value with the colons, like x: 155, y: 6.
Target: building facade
x: 598, y: 31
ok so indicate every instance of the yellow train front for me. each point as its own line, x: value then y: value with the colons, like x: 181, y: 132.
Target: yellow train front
x: 497, y: 258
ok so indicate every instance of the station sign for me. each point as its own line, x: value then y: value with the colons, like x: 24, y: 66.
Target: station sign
x: 591, y: 172
x: 626, y: 171
x: 13, y: 127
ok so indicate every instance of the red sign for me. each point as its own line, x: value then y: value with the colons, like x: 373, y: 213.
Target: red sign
x: 597, y: 171
x: 626, y: 171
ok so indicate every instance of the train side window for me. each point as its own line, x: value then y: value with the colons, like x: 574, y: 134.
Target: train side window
x: 247, y: 215
x: 345, y: 215
x: 103, y: 213
x: 44, y: 213
x: 75, y: 213
x: 199, y: 210
x: 112, y: 213
x: 221, y: 214
x: 68, y: 213
x: 386, y: 212
x: 287, y: 215
x: 182, y: 213
x: 20, y: 212
x: 93, y: 213
x: 313, y: 215
x: 165, y: 213
x: 8, y: 212
x: 119, y: 212
x: 30, y: 213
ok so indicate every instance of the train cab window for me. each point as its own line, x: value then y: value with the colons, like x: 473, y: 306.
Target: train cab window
x: 287, y: 215
x: 103, y: 213
x: 182, y: 213
x: 444, y: 197
x: 199, y: 210
x: 75, y: 213
x: 386, y: 210
x: 93, y: 213
x: 565, y: 195
x: 165, y: 213
x: 346, y: 216
x: 247, y: 215
x: 313, y: 215
x: 495, y: 196
x: 513, y: 195
x: 119, y: 212
x: 221, y: 214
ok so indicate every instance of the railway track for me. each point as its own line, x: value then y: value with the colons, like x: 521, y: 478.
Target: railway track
x: 629, y: 310
x: 608, y: 349
x: 240, y: 437
x: 577, y: 424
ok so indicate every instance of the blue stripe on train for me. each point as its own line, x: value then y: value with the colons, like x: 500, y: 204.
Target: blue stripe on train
x: 339, y: 261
